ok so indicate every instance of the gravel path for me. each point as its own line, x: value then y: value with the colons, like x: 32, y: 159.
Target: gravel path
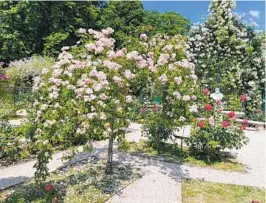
x: 162, y: 179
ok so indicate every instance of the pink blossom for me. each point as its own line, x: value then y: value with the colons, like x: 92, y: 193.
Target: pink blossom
x: 163, y: 59
x: 99, y: 50
x: 107, y: 31
x: 141, y: 64
x: 111, y: 65
x: 102, y: 96
x: 178, y: 80
x: 143, y: 36
x: 129, y: 75
x: 168, y: 48
x: 90, y: 47
x: 193, y: 97
x: 163, y: 78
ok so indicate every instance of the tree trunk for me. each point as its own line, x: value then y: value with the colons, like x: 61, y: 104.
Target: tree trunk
x: 109, y: 164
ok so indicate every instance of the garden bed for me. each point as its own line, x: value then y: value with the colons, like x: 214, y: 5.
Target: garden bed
x: 82, y: 182
x: 172, y: 153
x: 205, y: 192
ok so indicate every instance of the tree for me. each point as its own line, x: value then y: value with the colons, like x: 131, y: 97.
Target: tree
x: 222, y: 50
x: 42, y: 26
x: 170, y: 23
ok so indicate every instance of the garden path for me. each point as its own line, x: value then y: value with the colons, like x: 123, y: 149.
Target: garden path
x: 161, y: 179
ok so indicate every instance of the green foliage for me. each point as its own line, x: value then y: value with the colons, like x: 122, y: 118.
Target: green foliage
x: 158, y: 128
x: 208, y: 142
x: 43, y: 27
x: 33, y: 27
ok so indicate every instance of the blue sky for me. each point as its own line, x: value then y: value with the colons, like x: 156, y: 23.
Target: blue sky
x: 252, y: 11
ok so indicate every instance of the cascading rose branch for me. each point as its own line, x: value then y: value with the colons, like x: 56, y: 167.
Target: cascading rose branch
x: 88, y: 92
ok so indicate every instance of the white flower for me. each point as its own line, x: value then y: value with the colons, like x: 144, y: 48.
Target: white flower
x: 129, y: 99
x: 193, y: 109
x: 186, y: 98
x: 177, y: 95
x: 182, y: 118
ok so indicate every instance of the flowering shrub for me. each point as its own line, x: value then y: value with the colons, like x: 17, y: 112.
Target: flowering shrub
x: 215, y: 131
x: 22, y: 71
x: 165, y: 73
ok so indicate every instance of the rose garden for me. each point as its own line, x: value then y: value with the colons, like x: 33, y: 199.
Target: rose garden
x: 153, y: 116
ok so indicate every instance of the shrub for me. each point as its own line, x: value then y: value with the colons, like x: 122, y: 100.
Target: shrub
x: 22, y: 72
x: 215, y: 131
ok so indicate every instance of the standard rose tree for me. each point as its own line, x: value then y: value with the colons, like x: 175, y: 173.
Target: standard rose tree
x: 88, y: 92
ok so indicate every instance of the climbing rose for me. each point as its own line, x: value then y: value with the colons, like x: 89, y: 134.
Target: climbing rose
x: 243, y: 127
x: 243, y: 98
x: 201, y: 124
x: 225, y: 124
x: 208, y: 107
x: 231, y: 114
x: 49, y: 187
x: 245, y: 121
x: 206, y: 92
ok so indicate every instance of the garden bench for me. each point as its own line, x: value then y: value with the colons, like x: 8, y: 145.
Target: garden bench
x: 258, y: 125
x: 181, y: 137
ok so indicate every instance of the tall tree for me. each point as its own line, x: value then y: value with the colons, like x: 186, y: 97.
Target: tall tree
x: 42, y: 26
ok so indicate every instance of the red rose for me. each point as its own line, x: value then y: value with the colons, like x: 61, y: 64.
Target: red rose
x: 206, y: 92
x: 201, y: 124
x: 154, y: 108
x: 49, y: 187
x: 225, y: 124
x: 243, y: 127
x: 243, y: 98
x: 245, y: 121
x: 208, y: 107
x: 231, y: 114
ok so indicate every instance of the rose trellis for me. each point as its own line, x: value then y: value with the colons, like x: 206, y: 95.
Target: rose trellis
x: 88, y: 92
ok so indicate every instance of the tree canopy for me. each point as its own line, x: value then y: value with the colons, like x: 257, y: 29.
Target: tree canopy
x: 43, y: 27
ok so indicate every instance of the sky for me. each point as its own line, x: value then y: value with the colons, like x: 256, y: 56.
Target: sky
x: 252, y: 11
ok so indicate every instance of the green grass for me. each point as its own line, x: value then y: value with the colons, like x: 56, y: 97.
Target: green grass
x: 205, y: 192
x: 84, y: 182
x: 172, y: 153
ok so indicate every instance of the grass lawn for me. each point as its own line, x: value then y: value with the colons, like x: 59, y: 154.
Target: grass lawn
x: 205, y: 192
x: 83, y: 182
x: 172, y: 153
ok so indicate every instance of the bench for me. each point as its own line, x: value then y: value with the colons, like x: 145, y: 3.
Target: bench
x: 181, y: 137
x: 258, y: 125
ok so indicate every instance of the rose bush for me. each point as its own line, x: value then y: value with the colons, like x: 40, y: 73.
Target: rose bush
x: 165, y: 73
x: 215, y: 131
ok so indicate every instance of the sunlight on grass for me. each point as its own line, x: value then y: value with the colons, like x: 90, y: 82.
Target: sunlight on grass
x: 172, y: 153
x: 205, y: 192
x: 84, y: 182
